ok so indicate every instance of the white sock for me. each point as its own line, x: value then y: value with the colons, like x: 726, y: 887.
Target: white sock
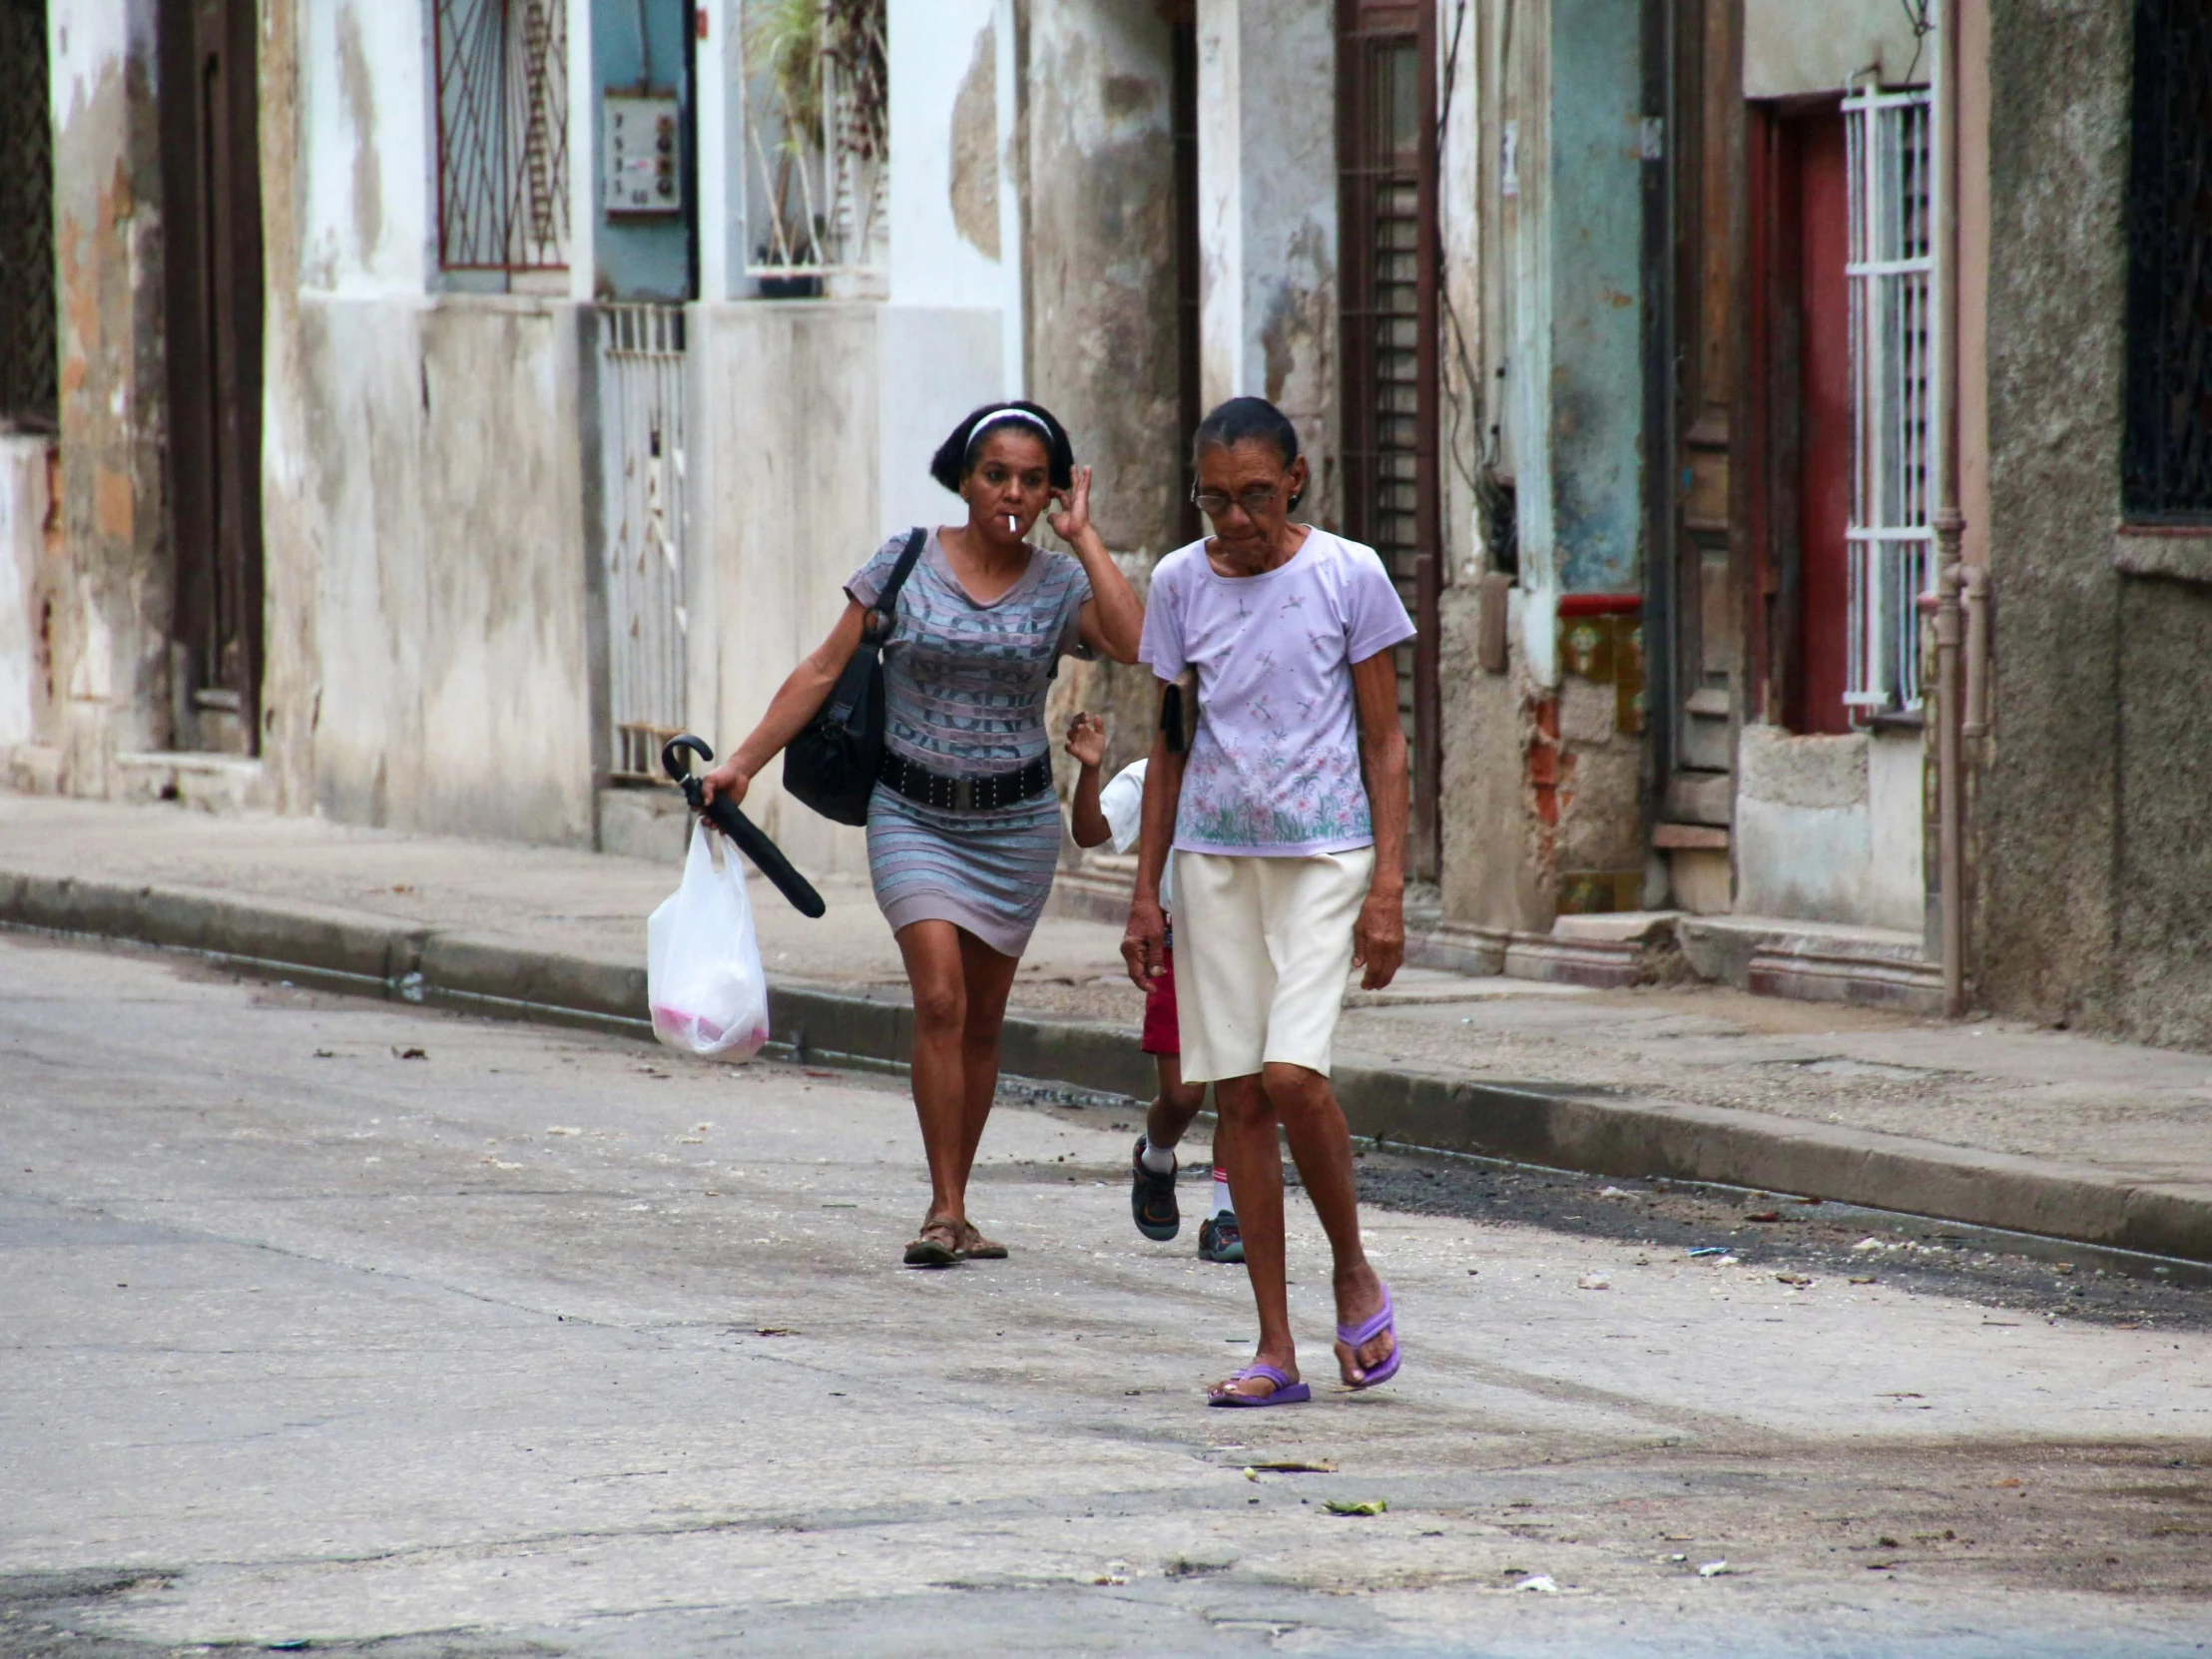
x: 1220, y: 1194
x: 1160, y: 1159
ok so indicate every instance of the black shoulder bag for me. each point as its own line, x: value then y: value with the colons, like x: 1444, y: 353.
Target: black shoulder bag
x: 831, y: 765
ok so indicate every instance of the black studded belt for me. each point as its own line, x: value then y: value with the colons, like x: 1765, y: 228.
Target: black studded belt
x: 966, y: 794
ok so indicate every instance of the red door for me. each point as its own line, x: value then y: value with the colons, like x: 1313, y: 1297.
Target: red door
x: 1824, y: 402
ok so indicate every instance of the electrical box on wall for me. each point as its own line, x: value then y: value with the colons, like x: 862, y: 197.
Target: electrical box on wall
x: 644, y: 159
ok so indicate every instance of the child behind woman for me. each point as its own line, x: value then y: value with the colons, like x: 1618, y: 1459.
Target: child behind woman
x: 1116, y: 814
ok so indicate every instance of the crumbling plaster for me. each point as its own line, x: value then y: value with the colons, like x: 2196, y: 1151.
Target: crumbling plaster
x: 447, y: 522
x: 111, y: 619
x: 28, y: 534
x: 1267, y: 170
x: 290, y: 664
x: 1102, y: 284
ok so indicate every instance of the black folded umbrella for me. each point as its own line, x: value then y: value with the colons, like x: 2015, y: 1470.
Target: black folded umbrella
x: 752, y: 840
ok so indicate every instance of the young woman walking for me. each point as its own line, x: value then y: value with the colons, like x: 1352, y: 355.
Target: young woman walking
x: 963, y: 829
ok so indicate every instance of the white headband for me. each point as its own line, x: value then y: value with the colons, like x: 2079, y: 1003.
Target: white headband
x: 976, y: 430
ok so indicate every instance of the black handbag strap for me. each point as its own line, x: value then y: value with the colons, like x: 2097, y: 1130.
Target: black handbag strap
x: 852, y: 684
x: 886, y: 602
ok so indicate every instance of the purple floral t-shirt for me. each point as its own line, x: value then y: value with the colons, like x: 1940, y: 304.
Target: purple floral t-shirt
x: 1274, y: 769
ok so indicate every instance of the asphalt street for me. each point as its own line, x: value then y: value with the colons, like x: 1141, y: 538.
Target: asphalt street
x: 342, y: 1326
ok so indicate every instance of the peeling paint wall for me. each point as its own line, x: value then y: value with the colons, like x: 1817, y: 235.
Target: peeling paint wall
x: 786, y: 506
x: 367, y: 221
x: 447, y: 508
x: 1543, y: 764
x: 422, y: 490
x: 111, y: 621
x: 1266, y: 180
x: 1102, y: 280
x: 291, y: 670
x: 30, y: 536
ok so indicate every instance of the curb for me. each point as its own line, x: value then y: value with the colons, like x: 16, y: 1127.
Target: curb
x: 1595, y: 1131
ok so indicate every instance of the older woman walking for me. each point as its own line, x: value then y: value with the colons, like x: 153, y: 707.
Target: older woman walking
x: 963, y: 829
x: 1288, y: 820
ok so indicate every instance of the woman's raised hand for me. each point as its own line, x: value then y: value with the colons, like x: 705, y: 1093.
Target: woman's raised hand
x: 727, y: 780
x: 1074, y: 516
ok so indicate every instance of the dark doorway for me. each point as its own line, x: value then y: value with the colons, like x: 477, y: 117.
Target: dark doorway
x: 211, y: 183
x: 1387, y: 271
x: 27, y: 345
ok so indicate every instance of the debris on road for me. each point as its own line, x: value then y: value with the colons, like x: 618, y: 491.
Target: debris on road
x: 1764, y: 1214
x: 1593, y: 1281
x: 409, y: 1053
x: 1709, y: 1250
x: 1795, y: 1279
x: 1541, y: 1582
x: 1293, y: 1465
x: 1342, y: 1506
x: 1714, y: 1569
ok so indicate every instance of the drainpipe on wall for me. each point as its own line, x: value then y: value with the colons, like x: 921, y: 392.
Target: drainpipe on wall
x: 1951, y: 524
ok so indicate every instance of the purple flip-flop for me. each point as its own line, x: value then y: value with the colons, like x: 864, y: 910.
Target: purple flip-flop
x: 1383, y: 1320
x: 1286, y: 1392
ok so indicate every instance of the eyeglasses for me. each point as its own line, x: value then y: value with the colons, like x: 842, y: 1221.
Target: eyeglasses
x: 1254, y: 502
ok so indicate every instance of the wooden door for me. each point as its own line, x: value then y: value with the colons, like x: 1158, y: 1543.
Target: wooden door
x: 1386, y: 282
x: 211, y: 183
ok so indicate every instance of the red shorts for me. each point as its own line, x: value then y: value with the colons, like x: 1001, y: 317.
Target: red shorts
x: 1161, y: 1033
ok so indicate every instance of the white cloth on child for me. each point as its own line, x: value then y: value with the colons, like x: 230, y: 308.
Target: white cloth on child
x: 1122, y: 801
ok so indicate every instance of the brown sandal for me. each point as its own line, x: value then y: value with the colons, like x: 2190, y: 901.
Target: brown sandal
x: 936, y: 1246
x: 975, y: 1248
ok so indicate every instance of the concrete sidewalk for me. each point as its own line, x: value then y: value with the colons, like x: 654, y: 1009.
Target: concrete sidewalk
x: 1992, y: 1123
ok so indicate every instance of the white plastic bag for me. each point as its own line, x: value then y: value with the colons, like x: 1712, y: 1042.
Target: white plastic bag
x: 702, y: 977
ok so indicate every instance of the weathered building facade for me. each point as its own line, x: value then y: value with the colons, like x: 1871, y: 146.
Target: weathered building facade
x: 1776, y: 415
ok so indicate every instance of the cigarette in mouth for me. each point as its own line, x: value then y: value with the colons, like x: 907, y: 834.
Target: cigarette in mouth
x: 1013, y: 525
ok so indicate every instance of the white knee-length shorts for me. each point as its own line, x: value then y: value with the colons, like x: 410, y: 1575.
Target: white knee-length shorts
x: 1262, y: 950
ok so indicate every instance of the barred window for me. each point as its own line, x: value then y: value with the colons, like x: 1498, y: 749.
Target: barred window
x: 1891, y: 279
x: 2166, y: 455
x: 816, y: 137
x: 502, y: 73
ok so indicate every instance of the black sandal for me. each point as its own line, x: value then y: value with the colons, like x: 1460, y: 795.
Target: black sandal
x: 1152, y: 1200
x: 937, y: 1245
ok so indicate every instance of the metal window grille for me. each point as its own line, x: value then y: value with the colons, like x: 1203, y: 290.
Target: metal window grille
x: 640, y: 357
x: 1891, y: 279
x: 818, y: 136
x: 27, y: 337
x: 502, y: 74
x: 2166, y: 460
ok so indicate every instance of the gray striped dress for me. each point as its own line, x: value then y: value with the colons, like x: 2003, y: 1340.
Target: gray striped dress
x: 964, y: 685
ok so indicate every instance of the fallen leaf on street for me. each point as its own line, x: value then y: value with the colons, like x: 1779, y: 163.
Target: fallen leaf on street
x: 1373, y: 1506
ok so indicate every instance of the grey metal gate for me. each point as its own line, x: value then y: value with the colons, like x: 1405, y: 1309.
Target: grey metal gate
x: 641, y: 382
